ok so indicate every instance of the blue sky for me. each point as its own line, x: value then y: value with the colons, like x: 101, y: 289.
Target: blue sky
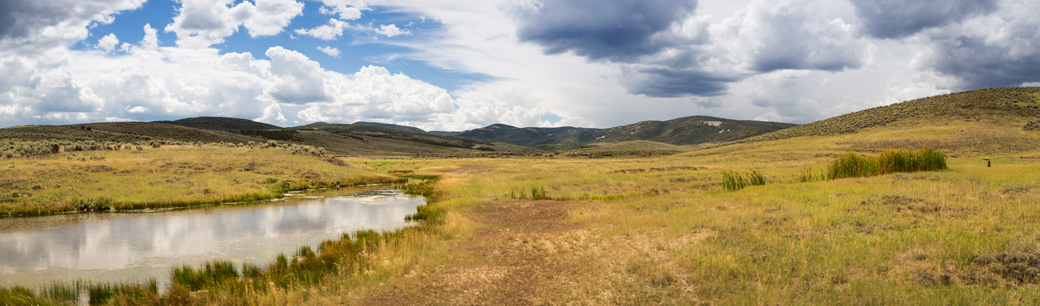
x: 460, y: 64
x: 365, y: 48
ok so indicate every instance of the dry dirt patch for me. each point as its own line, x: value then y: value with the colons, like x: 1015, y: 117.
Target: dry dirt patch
x: 498, y: 265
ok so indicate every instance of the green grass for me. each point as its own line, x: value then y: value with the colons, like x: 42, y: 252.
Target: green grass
x: 733, y: 181
x: 170, y: 176
x: 534, y: 193
x: 210, y: 274
x: 854, y: 165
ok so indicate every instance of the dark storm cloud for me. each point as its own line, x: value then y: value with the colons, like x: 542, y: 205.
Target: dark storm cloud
x: 26, y: 26
x: 978, y: 64
x: 618, y: 30
x: 996, y: 50
x: 674, y: 82
x: 767, y: 36
x: 900, y: 18
x: 18, y: 17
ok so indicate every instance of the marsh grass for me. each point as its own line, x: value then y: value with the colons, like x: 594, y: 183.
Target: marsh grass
x: 732, y: 180
x: 18, y: 295
x: 533, y: 193
x: 210, y: 274
x: 807, y: 175
x: 892, y: 161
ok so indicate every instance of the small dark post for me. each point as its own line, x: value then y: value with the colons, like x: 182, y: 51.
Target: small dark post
x: 988, y: 164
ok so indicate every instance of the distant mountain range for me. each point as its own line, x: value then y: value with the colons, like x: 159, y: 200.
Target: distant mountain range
x: 381, y: 138
x: 682, y: 131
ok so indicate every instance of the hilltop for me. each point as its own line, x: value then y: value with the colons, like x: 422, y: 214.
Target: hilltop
x: 222, y: 123
x: 391, y: 126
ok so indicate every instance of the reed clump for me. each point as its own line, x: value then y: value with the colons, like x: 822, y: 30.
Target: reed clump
x: 855, y: 165
x: 733, y: 180
x: 535, y: 194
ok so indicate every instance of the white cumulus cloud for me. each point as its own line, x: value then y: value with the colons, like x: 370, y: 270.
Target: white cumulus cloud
x: 345, y: 9
x: 108, y: 42
x: 201, y: 23
x: 330, y: 51
x: 391, y: 30
x: 330, y: 31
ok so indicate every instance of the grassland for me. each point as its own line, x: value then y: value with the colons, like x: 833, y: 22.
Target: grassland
x: 169, y: 176
x: 664, y: 230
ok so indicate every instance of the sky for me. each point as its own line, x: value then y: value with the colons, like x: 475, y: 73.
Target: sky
x: 463, y: 64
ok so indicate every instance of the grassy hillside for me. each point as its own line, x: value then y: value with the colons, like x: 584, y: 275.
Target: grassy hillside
x: 222, y: 123
x: 346, y: 143
x: 692, y: 130
x: 120, y: 132
x: 542, y: 138
x: 644, y: 148
x: 360, y: 139
x: 391, y: 126
x: 682, y: 131
x: 1016, y: 104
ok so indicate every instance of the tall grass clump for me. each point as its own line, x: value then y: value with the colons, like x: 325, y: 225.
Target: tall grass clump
x: 732, y: 180
x: 854, y: 165
x: 212, y: 273
x: 536, y: 194
x: 19, y: 295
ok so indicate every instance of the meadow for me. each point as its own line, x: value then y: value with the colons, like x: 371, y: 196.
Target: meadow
x: 639, y: 226
x: 665, y: 230
x: 166, y: 176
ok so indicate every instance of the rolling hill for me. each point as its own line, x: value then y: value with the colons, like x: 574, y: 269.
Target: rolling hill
x: 1012, y: 103
x: 681, y: 131
x: 391, y: 126
x: 981, y: 123
x: 122, y: 132
x: 222, y: 123
x: 367, y: 138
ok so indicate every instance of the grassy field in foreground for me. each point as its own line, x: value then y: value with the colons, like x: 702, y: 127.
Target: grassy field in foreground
x: 664, y: 230
x: 657, y: 232
x: 164, y: 177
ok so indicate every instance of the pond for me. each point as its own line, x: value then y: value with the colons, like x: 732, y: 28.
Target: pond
x: 136, y: 247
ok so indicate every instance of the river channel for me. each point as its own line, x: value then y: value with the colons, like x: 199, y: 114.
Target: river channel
x: 136, y: 247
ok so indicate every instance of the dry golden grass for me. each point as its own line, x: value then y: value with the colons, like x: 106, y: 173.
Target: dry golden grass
x: 164, y: 177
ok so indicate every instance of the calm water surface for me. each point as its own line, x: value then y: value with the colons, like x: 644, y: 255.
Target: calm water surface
x: 118, y: 247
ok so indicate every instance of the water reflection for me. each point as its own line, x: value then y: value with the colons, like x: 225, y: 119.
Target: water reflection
x: 134, y: 246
